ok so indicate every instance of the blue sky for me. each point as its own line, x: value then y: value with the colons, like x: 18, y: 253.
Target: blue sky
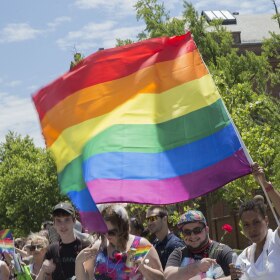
x: 38, y: 39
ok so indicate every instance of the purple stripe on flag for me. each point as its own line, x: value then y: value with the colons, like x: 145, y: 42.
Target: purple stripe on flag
x: 93, y: 221
x: 174, y: 189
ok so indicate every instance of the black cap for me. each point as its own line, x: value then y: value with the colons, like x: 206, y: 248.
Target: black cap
x: 66, y: 207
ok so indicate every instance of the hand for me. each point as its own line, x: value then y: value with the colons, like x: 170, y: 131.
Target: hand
x: 205, y: 264
x: 8, y: 258
x: 258, y: 173
x: 141, y: 263
x: 48, y: 266
x: 260, y: 177
x: 86, y: 254
x: 235, y: 272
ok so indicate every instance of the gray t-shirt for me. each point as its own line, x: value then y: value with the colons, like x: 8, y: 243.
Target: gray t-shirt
x: 222, y: 253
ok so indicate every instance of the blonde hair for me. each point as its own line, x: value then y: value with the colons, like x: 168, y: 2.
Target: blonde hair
x: 37, y: 237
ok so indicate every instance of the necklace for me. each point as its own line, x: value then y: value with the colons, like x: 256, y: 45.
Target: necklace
x: 114, y: 267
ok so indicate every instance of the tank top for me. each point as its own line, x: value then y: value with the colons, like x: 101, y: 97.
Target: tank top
x: 110, y: 269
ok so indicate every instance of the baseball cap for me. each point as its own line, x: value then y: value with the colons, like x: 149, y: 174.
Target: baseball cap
x: 191, y: 216
x: 66, y: 207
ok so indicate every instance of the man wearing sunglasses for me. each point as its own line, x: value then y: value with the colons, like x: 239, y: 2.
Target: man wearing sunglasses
x: 166, y: 241
x: 59, y: 263
x: 201, y: 258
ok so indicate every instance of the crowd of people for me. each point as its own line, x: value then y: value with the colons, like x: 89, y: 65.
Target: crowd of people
x: 62, y: 251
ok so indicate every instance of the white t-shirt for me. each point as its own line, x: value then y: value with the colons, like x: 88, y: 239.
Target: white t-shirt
x: 267, y: 266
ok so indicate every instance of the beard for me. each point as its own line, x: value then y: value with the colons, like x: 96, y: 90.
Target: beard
x: 203, y: 244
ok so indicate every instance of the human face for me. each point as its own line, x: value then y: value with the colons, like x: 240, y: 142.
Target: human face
x: 254, y: 226
x: 112, y: 234
x: 36, y: 248
x: 64, y: 226
x: 198, y: 234
x: 154, y: 221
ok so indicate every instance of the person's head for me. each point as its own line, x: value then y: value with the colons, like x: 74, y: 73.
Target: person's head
x: 194, y: 229
x: 136, y: 227
x: 19, y: 242
x: 157, y: 218
x: 37, y: 245
x: 117, y: 221
x: 44, y: 233
x: 64, y: 218
x: 254, y: 220
x: 46, y: 225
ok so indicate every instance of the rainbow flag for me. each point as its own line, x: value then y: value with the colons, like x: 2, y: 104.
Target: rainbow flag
x: 141, y: 123
x: 142, y: 251
x: 7, y: 245
x: 6, y: 234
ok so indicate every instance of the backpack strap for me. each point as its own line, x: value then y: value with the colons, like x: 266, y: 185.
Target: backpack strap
x: 215, y: 250
x: 135, y: 242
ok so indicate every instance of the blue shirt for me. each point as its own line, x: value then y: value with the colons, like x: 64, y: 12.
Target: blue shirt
x: 166, y: 246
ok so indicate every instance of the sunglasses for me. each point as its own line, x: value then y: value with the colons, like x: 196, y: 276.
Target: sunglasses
x: 34, y: 247
x: 195, y: 231
x: 112, y: 232
x: 152, y: 218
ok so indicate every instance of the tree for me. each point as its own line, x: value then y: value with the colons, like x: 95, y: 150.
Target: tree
x: 28, y: 185
x: 243, y: 81
x: 78, y: 58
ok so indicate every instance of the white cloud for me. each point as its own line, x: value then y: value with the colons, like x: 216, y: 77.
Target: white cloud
x: 243, y: 7
x: 32, y: 88
x: 97, y: 35
x: 93, y: 4
x: 13, y: 83
x: 121, y: 6
x: 19, y: 115
x: 58, y: 21
x: 17, y: 32
x: 86, y: 36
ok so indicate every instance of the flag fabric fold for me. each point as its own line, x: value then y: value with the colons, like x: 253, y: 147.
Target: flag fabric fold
x: 6, y: 234
x: 7, y: 245
x: 6, y: 241
x: 141, y: 123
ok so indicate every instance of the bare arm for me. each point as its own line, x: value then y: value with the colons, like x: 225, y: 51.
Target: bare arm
x: 4, y: 272
x: 85, y: 262
x: 46, y: 270
x: 189, y: 271
x: 273, y: 194
x: 21, y: 252
x: 153, y: 269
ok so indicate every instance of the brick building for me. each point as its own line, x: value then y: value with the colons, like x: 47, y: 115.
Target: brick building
x: 248, y: 32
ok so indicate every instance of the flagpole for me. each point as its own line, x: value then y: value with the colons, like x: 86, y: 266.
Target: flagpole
x: 143, y: 259
x: 251, y: 162
x: 269, y: 202
x: 249, y: 158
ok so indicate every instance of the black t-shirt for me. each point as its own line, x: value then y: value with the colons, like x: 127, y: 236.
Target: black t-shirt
x: 166, y: 246
x: 64, y: 257
x: 222, y: 253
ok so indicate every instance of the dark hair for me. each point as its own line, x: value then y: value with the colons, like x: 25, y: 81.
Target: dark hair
x: 19, y: 242
x: 46, y: 224
x: 117, y: 216
x: 253, y: 205
x: 135, y: 225
x: 62, y: 213
x: 162, y: 210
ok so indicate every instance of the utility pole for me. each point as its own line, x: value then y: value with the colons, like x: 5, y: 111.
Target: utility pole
x: 276, y: 11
